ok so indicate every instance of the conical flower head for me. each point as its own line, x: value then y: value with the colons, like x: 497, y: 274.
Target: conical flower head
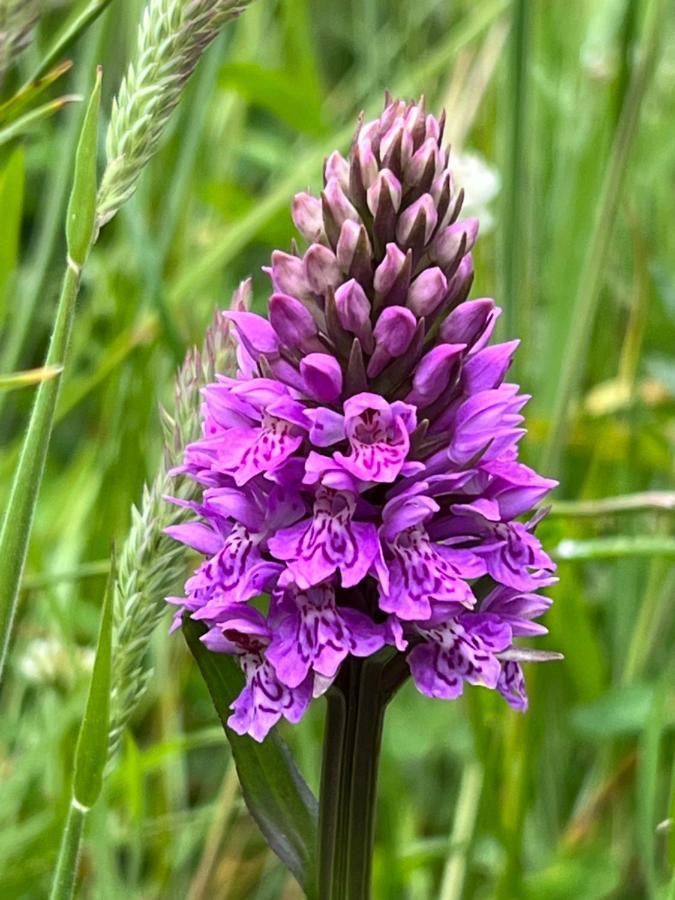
x: 361, y: 469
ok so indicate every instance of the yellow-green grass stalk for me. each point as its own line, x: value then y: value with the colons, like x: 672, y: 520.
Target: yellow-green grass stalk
x: 91, y: 753
x: 18, y: 519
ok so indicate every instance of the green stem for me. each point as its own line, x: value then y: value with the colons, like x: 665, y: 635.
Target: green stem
x: 18, y: 520
x: 63, y: 885
x: 331, y: 777
x: 515, y: 187
x: 355, y: 716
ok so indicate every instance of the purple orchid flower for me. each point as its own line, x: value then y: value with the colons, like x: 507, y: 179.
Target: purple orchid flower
x: 361, y: 470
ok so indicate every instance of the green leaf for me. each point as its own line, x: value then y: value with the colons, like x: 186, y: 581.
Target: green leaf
x: 615, y: 547
x: 81, y: 213
x: 91, y: 753
x: 29, y: 93
x: 574, y: 348
x: 274, y: 790
x: 12, y: 180
x: 34, y: 117
x: 19, y: 512
x: 70, y: 32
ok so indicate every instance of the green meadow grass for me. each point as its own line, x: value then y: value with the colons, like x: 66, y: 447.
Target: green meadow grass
x: 573, y: 104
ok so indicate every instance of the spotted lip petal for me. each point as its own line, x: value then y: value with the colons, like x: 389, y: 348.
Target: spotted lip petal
x: 361, y: 469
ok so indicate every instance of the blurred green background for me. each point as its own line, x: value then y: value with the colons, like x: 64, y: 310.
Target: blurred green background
x: 562, y: 117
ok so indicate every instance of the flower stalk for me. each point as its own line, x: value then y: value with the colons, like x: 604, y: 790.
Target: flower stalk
x: 355, y: 711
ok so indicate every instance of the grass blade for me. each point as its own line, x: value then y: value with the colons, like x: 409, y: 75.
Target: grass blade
x: 615, y: 547
x: 515, y: 187
x: 68, y: 35
x: 18, y: 520
x: 35, y: 116
x: 29, y: 377
x: 91, y: 752
x: 590, y: 281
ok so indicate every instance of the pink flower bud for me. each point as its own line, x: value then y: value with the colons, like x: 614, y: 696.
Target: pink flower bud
x: 448, y: 242
x: 321, y: 268
x: 389, y: 269
x: 336, y: 204
x: 288, y: 274
x: 293, y: 323
x: 468, y: 322
x: 322, y: 376
x: 387, y: 182
x: 427, y: 291
x: 353, y: 308
x: 416, y: 223
x: 460, y: 283
x: 307, y: 216
x: 433, y: 373
x: 422, y: 165
x: 337, y: 167
x: 393, y: 333
x: 366, y: 161
x: 396, y: 147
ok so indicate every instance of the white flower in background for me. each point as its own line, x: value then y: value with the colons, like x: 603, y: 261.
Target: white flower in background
x: 481, y: 183
x: 49, y: 661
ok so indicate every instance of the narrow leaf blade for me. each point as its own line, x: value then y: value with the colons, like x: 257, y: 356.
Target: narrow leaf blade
x: 275, y: 792
x: 91, y: 753
x: 28, y: 377
x: 82, y: 205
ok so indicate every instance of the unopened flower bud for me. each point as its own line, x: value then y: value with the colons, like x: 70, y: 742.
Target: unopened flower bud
x: 468, y: 322
x: 416, y: 223
x: 427, y: 291
x: 293, y: 323
x: 451, y: 240
x: 307, y: 216
x: 336, y: 209
x: 353, y: 308
x: 321, y: 268
x: 460, y: 283
x: 415, y: 123
x: 433, y: 373
x: 393, y: 333
x: 354, y: 252
x: 421, y: 167
x: 433, y: 128
x: 396, y: 148
x: 389, y: 270
x: 288, y: 274
x: 386, y: 188
x: 337, y: 167
x: 322, y: 376
x: 255, y: 333
x: 367, y: 162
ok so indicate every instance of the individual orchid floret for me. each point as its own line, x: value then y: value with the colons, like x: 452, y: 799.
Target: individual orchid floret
x: 311, y: 632
x: 265, y: 699
x: 358, y: 481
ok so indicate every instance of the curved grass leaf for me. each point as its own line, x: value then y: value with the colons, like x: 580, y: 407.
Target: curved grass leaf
x: 33, y: 118
x: 275, y: 792
x: 28, y: 377
x: 91, y: 752
x: 10, y: 109
x: 18, y: 519
x: 70, y: 32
